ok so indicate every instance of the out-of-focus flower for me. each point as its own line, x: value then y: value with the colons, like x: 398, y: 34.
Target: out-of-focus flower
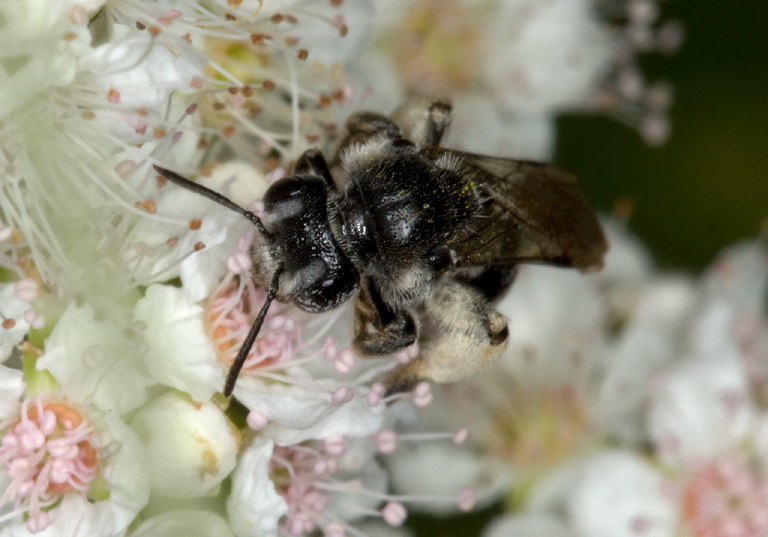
x: 703, y: 470
x: 710, y: 442
x: 513, y: 65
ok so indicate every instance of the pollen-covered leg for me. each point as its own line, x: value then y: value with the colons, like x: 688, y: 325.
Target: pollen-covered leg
x: 379, y: 330
x: 423, y: 120
x: 460, y: 335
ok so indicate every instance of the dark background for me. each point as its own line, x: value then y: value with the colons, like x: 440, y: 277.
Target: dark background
x: 703, y: 190
x: 708, y: 186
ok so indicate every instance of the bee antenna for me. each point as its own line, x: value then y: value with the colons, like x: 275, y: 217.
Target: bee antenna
x: 245, y: 348
x: 212, y: 195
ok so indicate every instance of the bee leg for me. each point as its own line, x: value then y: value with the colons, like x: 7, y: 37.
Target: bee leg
x: 492, y: 282
x: 392, y: 330
x: 424, y: 120
x: 370, y: 124
x: 460, y: 335
x: 312, y: 162
x: 363, y: 126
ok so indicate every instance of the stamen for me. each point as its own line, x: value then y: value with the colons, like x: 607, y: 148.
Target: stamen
x: 394, y: 513
x: 727, y: 497
x: 256, y: 420
x: 303, y: 475
x: 48, y: 451
x: 26, y: 290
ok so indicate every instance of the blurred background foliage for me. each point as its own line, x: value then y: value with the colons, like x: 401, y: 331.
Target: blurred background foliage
x: 708, y: 185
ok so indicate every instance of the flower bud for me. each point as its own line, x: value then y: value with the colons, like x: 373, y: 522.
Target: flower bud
x: 191, y: 447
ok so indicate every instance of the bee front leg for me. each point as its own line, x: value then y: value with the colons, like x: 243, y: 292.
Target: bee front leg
x: 460, y: 335
x: 392, y: 330
x: 312, y: 162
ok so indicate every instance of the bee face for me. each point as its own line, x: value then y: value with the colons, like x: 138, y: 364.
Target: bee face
x: 316, y: 274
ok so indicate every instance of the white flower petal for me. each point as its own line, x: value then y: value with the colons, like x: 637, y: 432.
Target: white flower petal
x: 479, y: 126
x: 627, y: 260
x: 240, y: 181
x: 203, y: 270
x: 94, y: 357
x: 740, y: 276
x: 297, y: 414
x: 180, y: 354
x: 143, y: 68
x: 619, y: 495
x: 421, y: 469
x: 254, y: 507
x: 30, y: 20
x: 353, y: 505
x: 11, y: 389
x: 127, y: 476
x: 324, y: 42
x: 538, y: 70
x: 184, y: 523
x: 648, y: 342
x: 11, y: 308
x: 555, y: 321
x: 73, y: 515
x: 699, y: 408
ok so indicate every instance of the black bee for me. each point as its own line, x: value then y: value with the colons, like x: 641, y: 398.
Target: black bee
x: 427, y: 237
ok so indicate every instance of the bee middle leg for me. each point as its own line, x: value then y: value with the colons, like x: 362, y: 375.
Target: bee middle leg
x: 392, y: 330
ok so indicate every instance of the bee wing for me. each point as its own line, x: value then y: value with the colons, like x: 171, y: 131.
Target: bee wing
x: 531, y: 212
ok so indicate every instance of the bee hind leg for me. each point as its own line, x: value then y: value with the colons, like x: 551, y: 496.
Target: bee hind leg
x: 460, y: 335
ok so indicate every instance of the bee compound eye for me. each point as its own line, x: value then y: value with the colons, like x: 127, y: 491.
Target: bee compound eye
x: 404, y: 146
x: 285, y: 188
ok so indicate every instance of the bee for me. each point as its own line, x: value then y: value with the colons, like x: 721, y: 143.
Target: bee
x: 426, y: 239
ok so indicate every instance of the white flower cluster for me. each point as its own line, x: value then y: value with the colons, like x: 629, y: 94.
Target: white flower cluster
x: 669, y: 435
x: 123, y: 300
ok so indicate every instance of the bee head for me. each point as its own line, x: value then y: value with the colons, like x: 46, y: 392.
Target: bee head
x: 316, y: 274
